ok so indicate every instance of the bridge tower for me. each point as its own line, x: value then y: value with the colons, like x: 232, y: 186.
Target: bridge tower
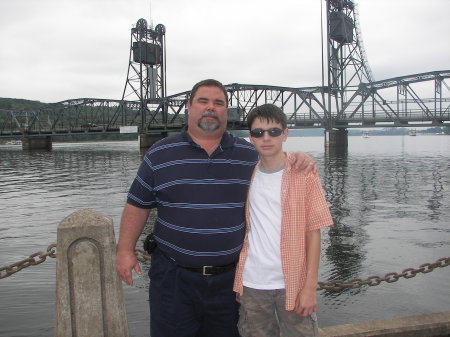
x: 146, y: 76
x: 346, y: 63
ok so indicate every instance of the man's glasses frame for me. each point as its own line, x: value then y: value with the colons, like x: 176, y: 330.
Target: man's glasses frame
x: 273, y: 132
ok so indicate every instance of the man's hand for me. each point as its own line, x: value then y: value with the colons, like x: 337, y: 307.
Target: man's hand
x: 306, y: 303
x: 126, y: 262
x: 304, y: 163
x: 131, y: 226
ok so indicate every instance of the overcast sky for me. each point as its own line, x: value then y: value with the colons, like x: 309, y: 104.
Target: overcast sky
x: 53, y: 50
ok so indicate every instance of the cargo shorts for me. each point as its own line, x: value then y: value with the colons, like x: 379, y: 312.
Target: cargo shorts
x: 262, y: 314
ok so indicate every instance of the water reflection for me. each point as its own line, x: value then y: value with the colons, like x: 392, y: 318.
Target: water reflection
x: 379, y: 201
x: 435, y: 201
x: 344, y: 251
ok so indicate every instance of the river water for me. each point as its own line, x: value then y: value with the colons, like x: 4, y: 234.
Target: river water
x: 389, y: 197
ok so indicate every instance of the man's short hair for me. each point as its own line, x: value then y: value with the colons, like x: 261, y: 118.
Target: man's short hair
x: 269, y: 112
x: 208, y: 83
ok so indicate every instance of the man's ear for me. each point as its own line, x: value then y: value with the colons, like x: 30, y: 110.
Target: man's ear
x: 250, y: 137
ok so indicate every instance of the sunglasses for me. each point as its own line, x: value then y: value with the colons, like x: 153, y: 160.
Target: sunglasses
x: 273, y: 132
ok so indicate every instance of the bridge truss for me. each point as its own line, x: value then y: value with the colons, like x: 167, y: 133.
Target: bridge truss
x: 418, y: 100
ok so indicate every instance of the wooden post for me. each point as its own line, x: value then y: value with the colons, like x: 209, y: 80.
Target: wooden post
x: 89, y: 295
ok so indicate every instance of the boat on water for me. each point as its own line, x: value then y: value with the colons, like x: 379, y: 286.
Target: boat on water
x: 365, y: 134
x: 412, y: 132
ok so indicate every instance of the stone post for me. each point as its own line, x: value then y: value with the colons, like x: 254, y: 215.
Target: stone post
x: 336, y: 140
x: 146, y: 140
x: 37, y: 143
x: 89, y: 296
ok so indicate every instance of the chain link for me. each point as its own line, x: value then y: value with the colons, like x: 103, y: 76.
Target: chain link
x: 143, y: 256
x: 32, y: 260
x: 389, y: 277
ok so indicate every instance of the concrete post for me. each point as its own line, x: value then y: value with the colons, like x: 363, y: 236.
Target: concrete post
x: 37, y: 143
x: 146, y: 140
x: 89, y: 296
x: 336, y: 139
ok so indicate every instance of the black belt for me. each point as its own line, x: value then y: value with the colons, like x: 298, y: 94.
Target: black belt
x: 211, y: 270
x: 204, y: 270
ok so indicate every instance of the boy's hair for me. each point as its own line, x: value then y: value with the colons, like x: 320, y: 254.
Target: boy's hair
x: 269, y: 112
x: 208, y: 83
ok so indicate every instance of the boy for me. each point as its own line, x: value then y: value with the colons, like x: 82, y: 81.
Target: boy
x: 277, y: 275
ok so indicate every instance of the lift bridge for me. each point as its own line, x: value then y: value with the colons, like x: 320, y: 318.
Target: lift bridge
x: 350, y: 98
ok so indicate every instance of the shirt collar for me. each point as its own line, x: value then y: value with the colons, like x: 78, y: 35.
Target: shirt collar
x: 227, y: 140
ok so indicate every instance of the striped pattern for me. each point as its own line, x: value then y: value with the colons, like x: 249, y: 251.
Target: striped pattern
x: 303, y: 208
x: 200, y: 182
x: 201, y: 231
x: 200, y: 199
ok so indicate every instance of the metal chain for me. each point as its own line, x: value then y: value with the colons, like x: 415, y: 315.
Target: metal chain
x: 143, y: 256
x: 389, y: 277
x: 32, y: 260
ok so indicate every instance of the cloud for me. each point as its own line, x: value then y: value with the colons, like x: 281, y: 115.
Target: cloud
x: 57, y: 50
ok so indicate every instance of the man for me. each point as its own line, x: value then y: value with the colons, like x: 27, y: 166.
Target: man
x: 198, y: 181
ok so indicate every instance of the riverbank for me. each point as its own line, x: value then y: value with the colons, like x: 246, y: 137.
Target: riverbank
x: 435, y: 325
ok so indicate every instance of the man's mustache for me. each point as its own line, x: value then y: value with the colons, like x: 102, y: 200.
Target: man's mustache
x: 210, y: 114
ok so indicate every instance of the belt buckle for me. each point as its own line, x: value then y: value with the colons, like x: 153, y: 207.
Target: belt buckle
x: 204, y: 271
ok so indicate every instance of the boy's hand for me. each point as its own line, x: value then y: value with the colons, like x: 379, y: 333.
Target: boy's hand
x: 306, y: 303
x: 304, y: 163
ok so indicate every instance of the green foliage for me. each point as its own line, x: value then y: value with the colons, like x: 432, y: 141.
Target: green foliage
x: 20, y: 104
x: 95, y: 137
x: 438, y: 130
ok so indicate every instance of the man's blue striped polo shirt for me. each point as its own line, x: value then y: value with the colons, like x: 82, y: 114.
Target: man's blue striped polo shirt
x: 200, y: 199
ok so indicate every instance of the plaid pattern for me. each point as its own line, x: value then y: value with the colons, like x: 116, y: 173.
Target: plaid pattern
x: 304, y: 208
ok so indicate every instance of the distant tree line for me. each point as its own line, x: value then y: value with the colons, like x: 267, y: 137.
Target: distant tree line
x: 29, y: 105
x: 20, y: 104
x: 402, y: 131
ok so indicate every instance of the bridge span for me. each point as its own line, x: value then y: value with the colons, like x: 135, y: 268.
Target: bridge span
x: 397, y: 102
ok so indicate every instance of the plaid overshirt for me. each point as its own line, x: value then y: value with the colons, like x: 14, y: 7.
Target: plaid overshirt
x: 303, y: 208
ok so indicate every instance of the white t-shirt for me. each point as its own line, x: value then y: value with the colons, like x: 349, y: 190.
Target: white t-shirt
x: 262, y: 269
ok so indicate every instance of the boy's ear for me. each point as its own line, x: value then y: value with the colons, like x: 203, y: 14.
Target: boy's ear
x: 285, y: 134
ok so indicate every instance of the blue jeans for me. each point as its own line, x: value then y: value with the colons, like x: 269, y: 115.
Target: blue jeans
x: 188, y: 304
